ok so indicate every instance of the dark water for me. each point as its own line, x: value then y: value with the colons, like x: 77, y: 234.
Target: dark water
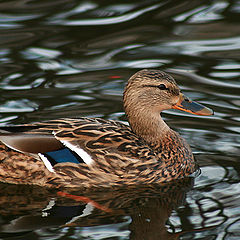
x: 67, y: 58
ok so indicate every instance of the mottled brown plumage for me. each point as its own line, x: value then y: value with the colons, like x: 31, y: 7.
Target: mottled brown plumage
x: 109, y: 153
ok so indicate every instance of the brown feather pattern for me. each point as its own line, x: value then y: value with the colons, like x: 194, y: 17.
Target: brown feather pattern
x: 120, y: 156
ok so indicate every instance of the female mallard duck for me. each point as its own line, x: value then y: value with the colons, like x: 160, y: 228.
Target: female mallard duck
x: 92, y: 152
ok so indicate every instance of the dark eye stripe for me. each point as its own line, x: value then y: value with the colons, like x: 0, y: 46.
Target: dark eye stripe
x: 161, y: 86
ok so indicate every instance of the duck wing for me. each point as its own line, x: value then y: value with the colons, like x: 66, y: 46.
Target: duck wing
x: 82, y: 140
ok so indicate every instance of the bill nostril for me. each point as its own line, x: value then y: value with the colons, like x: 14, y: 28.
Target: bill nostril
x: 187, y: 99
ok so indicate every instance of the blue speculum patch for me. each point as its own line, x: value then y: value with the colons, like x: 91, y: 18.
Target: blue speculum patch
x: 61, y: 156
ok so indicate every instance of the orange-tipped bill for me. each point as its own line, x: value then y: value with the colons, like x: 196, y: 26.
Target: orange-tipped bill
x: 187, y: 105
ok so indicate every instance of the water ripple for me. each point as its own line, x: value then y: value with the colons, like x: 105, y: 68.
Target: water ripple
x: 103, y: 21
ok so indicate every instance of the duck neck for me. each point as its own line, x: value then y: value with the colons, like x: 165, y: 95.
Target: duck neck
x: 149, y: 125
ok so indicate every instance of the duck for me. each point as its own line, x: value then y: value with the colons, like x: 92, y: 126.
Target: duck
x: 89, y: 153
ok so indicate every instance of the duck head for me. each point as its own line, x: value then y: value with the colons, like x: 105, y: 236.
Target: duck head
x: 148, y: 93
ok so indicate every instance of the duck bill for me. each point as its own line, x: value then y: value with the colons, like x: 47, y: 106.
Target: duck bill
x: 185, y: 104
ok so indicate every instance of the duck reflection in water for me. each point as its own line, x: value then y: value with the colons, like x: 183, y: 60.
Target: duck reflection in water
x: 147, y: 207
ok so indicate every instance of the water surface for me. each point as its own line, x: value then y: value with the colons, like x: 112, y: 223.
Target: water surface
x: 70, y: 58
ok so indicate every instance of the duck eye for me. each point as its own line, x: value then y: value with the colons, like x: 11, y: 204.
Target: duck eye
x: 162, y: 87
